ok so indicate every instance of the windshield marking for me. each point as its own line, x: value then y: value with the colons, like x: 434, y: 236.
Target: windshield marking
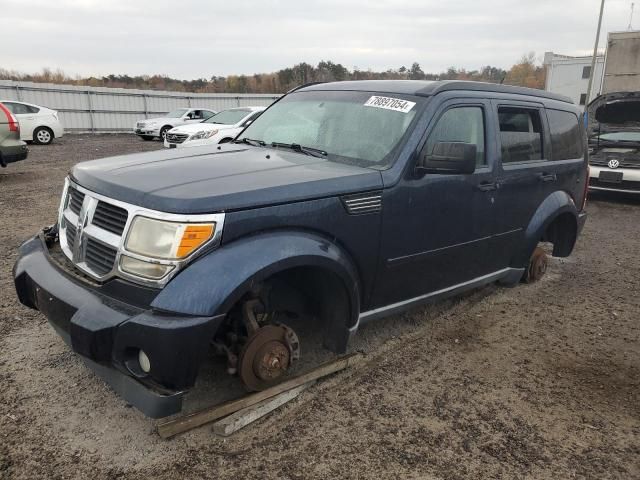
x: 388, y: 103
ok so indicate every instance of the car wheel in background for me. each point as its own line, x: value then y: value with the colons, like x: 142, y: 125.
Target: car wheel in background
x: 42, y: 136
x: 146, y: 137
x: 163, y: 131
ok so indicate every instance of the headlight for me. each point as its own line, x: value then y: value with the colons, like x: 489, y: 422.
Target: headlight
x: 203, y: 134
x: 167, y: 240
x: 144, y: 269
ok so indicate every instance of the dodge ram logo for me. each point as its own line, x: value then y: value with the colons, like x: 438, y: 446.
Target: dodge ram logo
x: 614, y: 163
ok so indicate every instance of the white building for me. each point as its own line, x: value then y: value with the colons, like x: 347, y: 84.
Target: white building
x: 570, y: 76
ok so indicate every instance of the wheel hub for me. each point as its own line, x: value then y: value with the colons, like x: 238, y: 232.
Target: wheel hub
x: 537, y: 265
x: 267, y: 356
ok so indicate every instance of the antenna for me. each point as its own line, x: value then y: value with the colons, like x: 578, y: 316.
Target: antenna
x: 631, y: 17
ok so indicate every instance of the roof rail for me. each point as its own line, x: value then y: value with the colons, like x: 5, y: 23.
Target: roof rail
x: 303, y: 86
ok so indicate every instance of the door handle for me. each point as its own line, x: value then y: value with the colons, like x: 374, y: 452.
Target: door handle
x: 548, y: 177
x: 487, y: 186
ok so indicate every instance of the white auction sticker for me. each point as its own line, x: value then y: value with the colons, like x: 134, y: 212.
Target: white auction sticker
x: 395, y: 104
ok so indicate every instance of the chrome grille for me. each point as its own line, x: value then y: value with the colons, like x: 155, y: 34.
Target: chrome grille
x: 75, y: 200
x: 362, y: 203
x: 113, y: 219
x: 93, y: 229
x: 176, y: 137
x: 70, y: 231
x: 100, y: 257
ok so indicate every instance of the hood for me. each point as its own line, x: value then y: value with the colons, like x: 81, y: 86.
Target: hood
x: 614, y: 112
x: 198, y: 127
x: 208, y: 180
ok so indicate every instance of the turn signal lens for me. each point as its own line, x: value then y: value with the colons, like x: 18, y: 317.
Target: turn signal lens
x: 167, y: 240
x: 194, y: 236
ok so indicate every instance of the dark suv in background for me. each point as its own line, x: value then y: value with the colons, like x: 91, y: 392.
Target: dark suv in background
x: 342, y: 203
x: 12, y: 149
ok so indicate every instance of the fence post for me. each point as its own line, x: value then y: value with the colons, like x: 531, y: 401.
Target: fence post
x: 238, y: 101
x: 146, y: 107
x: 189, y: 101
x: 93, y: 129
x: 18, y: 94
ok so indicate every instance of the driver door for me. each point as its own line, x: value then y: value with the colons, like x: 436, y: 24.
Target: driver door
x: 437, y: 227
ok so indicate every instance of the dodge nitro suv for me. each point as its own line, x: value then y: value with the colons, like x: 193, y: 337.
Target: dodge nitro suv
x: 343, y: 202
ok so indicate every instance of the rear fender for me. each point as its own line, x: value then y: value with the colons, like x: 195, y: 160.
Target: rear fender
x: 214, y: 283
x: 556, y: 204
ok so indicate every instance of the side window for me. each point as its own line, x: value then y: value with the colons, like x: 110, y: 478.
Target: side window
x: 30, y: 109
x: 460, y: 124
x: 520, y: 134
x: 566, y: 137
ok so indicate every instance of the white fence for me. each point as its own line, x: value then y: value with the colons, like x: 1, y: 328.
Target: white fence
x: 98, y: 109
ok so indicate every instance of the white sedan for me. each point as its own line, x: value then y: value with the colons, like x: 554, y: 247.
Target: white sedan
x: 38, y: 124
x: 158, y: 127
x: 222, y: 127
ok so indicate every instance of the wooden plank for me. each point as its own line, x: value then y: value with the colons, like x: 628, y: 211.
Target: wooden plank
x: 244, y: 417
x: 209, y: 414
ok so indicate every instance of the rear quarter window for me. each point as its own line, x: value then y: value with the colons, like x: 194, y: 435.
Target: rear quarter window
x: 566, y: 136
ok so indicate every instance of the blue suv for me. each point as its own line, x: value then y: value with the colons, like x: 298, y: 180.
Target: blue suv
x: 342, y: 203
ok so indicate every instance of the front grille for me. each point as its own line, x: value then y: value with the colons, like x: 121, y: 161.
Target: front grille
x: 109, y: 217
x: 75, y: 200
x: 630, y: 161
x: 362, y: 203
x: 99, y: 257
x: 623, y: 185
x: 70, y: 231
x: 176, y: 137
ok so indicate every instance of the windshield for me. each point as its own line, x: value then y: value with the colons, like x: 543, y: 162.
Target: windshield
x: 620, y: 137
x: 358, y: 128
x: 228, y: 117
x: 176, y: 113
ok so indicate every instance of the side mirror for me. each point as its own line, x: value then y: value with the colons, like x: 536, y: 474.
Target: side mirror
x: 449, y: 158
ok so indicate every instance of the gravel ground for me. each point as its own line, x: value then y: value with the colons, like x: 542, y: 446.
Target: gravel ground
x: 537, y: 381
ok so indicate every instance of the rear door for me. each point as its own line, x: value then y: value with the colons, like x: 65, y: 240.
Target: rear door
x: 26, y: 116
x: 528, y: 172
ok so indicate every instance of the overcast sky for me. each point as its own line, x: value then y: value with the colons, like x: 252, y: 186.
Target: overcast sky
x: 191, y: 39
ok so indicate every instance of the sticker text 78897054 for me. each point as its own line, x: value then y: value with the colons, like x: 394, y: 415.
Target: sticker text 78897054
x: 388, y: 103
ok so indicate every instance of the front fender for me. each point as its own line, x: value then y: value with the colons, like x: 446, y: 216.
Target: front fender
x: 556, y: 204
x: 215, y: 282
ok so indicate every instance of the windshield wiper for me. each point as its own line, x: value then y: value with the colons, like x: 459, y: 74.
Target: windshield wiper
x: 314, y: 152
x: 251, y: 141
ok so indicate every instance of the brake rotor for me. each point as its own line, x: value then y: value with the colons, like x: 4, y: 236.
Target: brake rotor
x: 267, y: 356
x: 537, y: 265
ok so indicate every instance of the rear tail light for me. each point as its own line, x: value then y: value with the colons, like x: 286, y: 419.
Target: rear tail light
x: 13, y: 123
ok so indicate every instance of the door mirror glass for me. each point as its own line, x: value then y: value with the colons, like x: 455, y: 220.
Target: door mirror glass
x: 449, y: 158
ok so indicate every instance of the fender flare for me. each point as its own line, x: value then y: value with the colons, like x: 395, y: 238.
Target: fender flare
x: 554, y: 205
x: 214, y: 283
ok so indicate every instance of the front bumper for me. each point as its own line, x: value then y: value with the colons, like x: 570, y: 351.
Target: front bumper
x: 155, y: 132
x: 108, y: 332
x: 630, y: 182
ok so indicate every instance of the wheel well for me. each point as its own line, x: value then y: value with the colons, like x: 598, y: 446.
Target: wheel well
x: 44, y: 127
x: 313, y: 292
x: 562, y: 233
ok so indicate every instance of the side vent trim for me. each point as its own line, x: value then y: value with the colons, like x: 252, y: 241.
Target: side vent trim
x: 363, y: 203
